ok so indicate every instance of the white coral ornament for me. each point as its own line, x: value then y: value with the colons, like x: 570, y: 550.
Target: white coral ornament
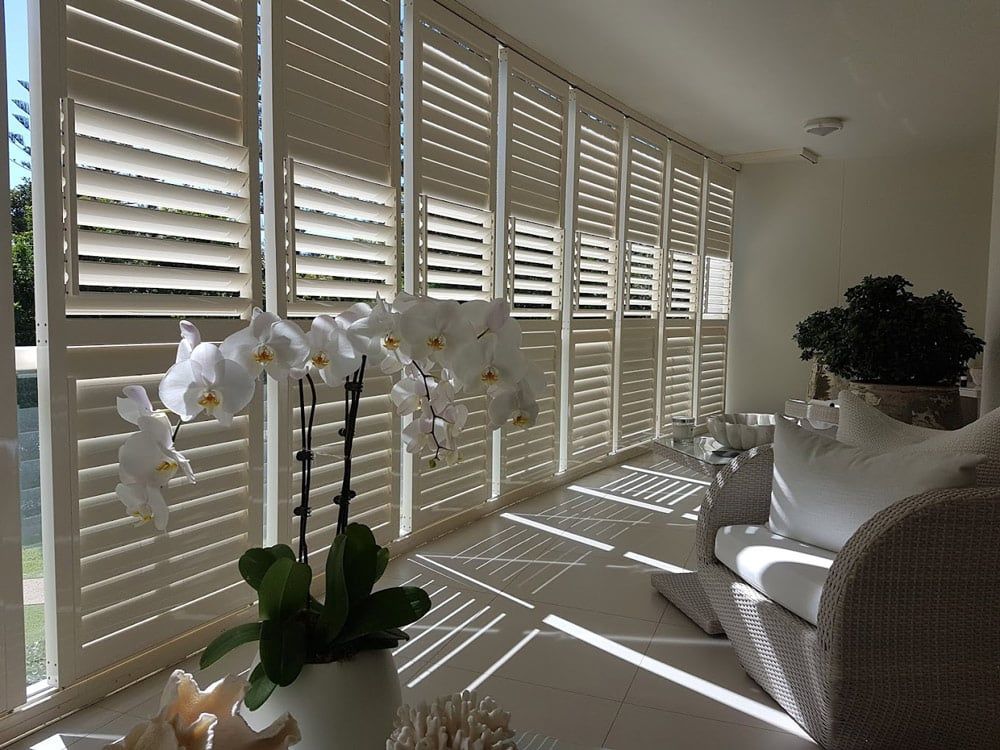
x: 195, y: 719
x: 452, y: 722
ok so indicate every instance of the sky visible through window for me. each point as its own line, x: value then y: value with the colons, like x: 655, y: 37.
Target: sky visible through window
x: 16, y: 17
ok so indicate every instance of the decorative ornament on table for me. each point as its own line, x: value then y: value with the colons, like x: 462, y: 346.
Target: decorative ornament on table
x: 453, y: 722
x: 195, y: 719
x: 440, y: 351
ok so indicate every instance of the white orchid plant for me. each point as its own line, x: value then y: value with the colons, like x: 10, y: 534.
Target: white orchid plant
x: 440, y: 350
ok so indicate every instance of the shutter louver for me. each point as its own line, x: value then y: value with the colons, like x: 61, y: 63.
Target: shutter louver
x: 457, y: 251
x: 535, y: 269
x: 590, y: 395
x: 156, y: 216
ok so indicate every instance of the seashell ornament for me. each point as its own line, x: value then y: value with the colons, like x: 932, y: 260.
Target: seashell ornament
x: 195, y: 719
x: 452, y: 722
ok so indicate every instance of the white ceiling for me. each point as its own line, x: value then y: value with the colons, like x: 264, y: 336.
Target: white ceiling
x: 741, y: 76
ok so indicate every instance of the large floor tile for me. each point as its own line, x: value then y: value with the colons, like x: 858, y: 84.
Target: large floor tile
x: 638, y: 728
x: 686, y: 671
x: 69, y: 731
x: 521, y: 646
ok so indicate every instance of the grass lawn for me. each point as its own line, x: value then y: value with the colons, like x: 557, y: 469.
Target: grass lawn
x: 34, y: 640
x: 31, y: 561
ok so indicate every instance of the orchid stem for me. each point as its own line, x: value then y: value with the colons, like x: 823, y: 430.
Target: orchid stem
x: 353, y: 386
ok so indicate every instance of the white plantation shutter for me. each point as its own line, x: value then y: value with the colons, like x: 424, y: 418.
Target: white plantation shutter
x: 642, y: 266
x: 716, y: 290
x: 683, y: 239
x: 331, y: 123
x: 152, y: 211
x: 595, y: 194
x: 450, y: 175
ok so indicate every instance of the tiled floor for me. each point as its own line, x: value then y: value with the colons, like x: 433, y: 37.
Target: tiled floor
x: 547, y: 606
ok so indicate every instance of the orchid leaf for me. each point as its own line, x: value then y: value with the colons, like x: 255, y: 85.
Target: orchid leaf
x: 229, y: 640
x: 284, y: 590
x: 282, y: 650
x: 335, y: 608
x: 260, y: 689
x: 360, y: 561
x: 384, y: 610
x: 381, y: 562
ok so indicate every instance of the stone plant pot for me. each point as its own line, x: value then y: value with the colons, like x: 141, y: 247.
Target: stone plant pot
x: 938, y: 407
x: 343, y: 705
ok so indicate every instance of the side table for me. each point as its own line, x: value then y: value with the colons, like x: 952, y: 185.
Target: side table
x: 707, y: 457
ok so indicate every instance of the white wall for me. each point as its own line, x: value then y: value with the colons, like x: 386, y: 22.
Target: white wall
x: 804, y: 233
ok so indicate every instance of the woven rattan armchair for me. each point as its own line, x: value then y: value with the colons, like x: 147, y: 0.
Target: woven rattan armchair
x: 906, y: 653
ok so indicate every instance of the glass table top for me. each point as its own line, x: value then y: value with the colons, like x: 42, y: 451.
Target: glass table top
x: 705, y: 449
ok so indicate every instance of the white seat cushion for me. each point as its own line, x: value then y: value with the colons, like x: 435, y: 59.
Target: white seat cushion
x: 790, y: 573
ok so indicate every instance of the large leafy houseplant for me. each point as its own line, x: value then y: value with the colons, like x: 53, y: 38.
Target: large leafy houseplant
x: 885, y: 334
x: 439, y: 349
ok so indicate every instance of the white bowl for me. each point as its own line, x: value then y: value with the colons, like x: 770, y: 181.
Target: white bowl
x: 742, y: 431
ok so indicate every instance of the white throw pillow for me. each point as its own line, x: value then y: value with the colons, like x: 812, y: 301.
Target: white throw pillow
x: 823, y: 490
x: 864, y: 426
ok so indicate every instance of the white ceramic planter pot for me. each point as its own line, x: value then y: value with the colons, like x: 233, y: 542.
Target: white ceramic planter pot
x: 345, y: 705
x: 934, y: 406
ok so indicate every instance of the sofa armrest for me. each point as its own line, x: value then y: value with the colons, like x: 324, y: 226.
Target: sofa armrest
x: 919, y: 580
x: 740, y: 494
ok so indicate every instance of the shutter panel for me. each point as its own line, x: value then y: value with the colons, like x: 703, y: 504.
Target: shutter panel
x: 683, y: 239
x: 535, y: 174
x: 332, y: 120
x: 595, y: 270
x: 158, y: 124
x: 162, y: 169
x: 536, y: 124
x: 451, y: 147
x: 716, y: 291
x: 644, y: 203
x: 332, y: 127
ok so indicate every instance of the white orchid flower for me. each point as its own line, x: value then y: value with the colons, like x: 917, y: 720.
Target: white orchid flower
x: 516, y: 404
x: 135, y: 404
x: 333, y: 350
x: 381, y: 328
x: 486, y: 316
x: 434, y: 329
x: 409, y: 394
x: 492, y: 361
x: 208, y: 382
x: 190, y: 338
x: 145, y: 503
x: 149, y: 456
x: 269, y: 344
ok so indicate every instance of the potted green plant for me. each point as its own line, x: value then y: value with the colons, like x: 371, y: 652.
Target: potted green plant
x: 902, y: 353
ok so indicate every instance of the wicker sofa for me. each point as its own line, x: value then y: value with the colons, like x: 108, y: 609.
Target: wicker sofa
x: 906, y: 649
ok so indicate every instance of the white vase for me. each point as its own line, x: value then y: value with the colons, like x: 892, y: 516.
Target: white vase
x: 343, y: 705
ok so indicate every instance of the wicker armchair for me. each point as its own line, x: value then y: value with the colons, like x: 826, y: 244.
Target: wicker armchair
x: 906, y: 653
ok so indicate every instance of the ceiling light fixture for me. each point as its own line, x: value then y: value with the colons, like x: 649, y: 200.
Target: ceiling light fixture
x: 824, y: 125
